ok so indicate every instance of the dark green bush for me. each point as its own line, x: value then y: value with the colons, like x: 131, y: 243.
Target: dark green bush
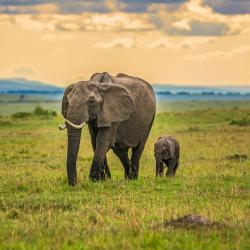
x: 241, y: 122
x: 20, y: 115
x: 38, y: 111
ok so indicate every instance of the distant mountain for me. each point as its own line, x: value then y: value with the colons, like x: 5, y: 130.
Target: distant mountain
x: 194, y: 90
x: 24, y: 86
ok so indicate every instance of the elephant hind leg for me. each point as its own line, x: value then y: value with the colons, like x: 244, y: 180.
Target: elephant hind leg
x: 135, y: 159
x: 171, y: 164
x: 122, y: 154
x: 176, y: 166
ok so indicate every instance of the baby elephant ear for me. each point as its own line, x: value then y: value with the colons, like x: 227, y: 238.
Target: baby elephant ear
x: 117, y: 105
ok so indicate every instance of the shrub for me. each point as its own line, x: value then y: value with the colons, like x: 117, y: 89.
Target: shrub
x: 39, y: 111
x: 20, y: 115
x: 241, y: 122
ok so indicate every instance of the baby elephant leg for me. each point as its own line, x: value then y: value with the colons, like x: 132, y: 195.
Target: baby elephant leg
x: 176, y: 166
x: 171, y: 164
x: 159, y: 168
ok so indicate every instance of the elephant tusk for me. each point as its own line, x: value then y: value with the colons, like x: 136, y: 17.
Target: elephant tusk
x: 62, y: 127
x: 74, y: 125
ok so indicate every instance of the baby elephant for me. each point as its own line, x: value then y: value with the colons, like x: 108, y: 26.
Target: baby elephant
x: 167, y: 152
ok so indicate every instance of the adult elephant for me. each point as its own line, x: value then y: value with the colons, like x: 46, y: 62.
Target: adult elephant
x: 119, y: 111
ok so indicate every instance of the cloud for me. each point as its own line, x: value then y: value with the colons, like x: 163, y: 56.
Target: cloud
x: 188, y: 43
x: 23, y: 70
x: 230, y: 6
x: 173, y: 17
x: 82, y: 22
x: 220, y: 54
x: 162, y: 43
x: 124, y: 42
x: 52, y: 37
x: 29, y: 9
x: 194, y: 18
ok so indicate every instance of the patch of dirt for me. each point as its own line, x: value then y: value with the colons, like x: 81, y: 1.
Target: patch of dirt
x: 193, y: 221
x: 237, y: 157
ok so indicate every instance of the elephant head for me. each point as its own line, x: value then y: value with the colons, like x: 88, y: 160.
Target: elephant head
x: 91, y: 101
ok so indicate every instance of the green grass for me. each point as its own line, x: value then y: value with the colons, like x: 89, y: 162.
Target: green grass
x: 38, y: 210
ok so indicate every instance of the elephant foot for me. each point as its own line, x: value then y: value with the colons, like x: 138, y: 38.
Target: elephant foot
x: 132, y: 176
x: 169, y: 174
x: 96, y: 177
x: 96, y: 172
x: 72, y: 181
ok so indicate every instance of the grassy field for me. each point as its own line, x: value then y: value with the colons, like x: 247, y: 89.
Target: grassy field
x: 38, y: 210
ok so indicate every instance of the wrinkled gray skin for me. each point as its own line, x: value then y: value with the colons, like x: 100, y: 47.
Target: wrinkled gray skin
x: 119, y: 111
x: 167, y: 154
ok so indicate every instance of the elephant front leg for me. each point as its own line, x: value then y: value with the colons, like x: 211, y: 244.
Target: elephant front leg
x: 159, y: 168
x: 103, y: 141
x: 93, y: 134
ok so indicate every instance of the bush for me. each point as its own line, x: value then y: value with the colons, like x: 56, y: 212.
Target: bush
x: 20, y: 115
x: 39, y: 111
x: 242, y: 122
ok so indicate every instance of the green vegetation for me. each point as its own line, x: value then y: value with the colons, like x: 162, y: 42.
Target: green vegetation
x: 241, y: 122
x: 38, y: 111
x: 38, y: 210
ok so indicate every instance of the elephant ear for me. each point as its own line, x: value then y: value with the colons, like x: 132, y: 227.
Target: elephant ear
x: 117, y: 104
x: 65, y: 102
x: 101, y: 77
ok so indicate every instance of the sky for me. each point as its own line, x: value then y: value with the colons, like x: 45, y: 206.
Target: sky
x: 180, y: 42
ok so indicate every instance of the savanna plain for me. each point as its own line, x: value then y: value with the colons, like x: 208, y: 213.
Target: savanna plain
x: 38, y: 210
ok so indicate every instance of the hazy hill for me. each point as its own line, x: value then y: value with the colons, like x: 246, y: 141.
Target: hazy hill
x: 24, y: 86
x: 163, y: 91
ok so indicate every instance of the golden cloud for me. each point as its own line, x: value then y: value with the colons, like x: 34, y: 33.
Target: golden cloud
x: 123, y: 42
x: 82, y: 22
x: 218, y: 55
x: 187, y: 43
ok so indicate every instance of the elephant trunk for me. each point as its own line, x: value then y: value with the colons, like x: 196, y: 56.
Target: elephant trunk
x: 74, y: 136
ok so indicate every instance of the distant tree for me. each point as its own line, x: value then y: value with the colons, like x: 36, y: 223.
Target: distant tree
x: 21, y: 98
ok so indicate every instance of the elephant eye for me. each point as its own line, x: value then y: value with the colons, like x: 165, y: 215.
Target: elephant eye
x: 92, y: 101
